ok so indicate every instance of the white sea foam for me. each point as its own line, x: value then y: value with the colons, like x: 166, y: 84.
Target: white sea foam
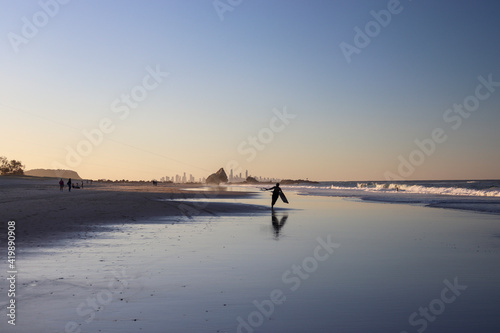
x: 481, y: 196
x: 391, y: 187
x: 484, y: 198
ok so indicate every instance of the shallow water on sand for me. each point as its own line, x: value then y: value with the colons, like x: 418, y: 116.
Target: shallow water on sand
x: 328, y: 264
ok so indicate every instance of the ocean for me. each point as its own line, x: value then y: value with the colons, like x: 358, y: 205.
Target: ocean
x: 490, y: 188
x: 473, y: 195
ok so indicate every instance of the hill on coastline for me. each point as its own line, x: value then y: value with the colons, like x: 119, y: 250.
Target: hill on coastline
x: 52, y: 173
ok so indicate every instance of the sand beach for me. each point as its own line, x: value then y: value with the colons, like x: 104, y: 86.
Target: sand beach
x: 141, y: 258
x: 44, y: 212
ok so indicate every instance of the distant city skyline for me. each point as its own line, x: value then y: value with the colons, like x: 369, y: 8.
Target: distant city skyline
x: 178, y: 178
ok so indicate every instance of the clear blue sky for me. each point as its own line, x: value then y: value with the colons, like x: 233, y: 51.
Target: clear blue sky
x: 227, y: 79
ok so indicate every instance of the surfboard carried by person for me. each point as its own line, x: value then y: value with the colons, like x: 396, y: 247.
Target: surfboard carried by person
x: 277, y: 192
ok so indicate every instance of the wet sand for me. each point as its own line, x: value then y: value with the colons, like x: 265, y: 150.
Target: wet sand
x: 320, y: 264
x: 43, y: 214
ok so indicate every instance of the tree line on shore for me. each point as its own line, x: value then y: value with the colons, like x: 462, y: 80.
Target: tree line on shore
x: 12, y: 167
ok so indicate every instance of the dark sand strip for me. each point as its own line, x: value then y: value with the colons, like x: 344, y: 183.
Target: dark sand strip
x: 43, y: 213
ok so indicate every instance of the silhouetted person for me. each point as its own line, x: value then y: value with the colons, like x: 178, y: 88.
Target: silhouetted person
x: 69, y: 185
x: 61, y: 185
x: 277, y: 192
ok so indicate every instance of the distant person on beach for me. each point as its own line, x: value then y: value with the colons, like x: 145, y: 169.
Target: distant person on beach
x: 69, y: 185
x: 61, y: 185
x: 277, y: 192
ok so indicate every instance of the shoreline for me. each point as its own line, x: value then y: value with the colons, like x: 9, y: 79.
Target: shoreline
x: 44, y: 214
x: 478, y: 204
x: 142, y: 263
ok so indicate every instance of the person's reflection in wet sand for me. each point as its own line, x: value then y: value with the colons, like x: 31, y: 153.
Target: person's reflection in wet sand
x: 278, y: 223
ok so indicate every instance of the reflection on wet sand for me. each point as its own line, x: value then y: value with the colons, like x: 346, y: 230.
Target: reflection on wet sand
x: 278, y: 223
